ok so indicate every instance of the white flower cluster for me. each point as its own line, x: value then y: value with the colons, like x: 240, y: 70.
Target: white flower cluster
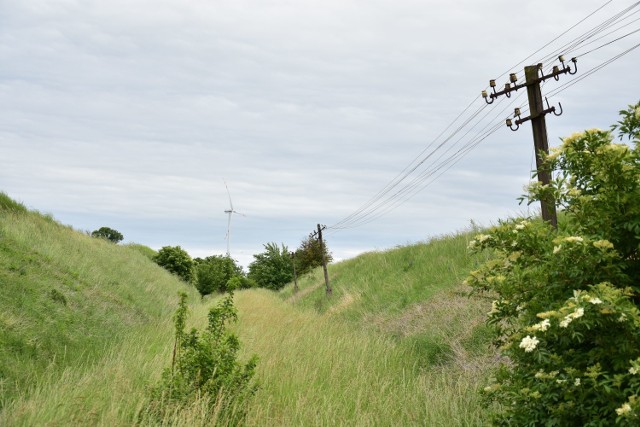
x: 638, y: 113
x: 542, y: 326
x: 625, y: 408
x: 579, y: 312
x: 573, y: 239
x: 529, y: 343
x: 479, y: 239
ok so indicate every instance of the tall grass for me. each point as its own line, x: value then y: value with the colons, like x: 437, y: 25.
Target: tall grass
x: 317, y: 369
x: 85, y: 329
x: 68, y: 301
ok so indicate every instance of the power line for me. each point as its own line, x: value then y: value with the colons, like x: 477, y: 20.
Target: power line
x: 426, y: 167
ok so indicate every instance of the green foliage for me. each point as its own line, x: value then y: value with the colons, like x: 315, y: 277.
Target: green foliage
x: 75, y: 314
x: 567, y: 301
x: 108, y: 234
x: 272, y: 269
x: 309, y: 255
x: 629, y: 124
x: 205, y: 367
x: 175, y: 260
x: 241, y: 282
x: 213, y: 273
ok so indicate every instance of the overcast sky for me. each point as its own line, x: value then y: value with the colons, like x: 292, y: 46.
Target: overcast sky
x: 130, y: 113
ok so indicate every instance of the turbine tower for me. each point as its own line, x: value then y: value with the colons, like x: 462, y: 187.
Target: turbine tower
x: 229, y: 212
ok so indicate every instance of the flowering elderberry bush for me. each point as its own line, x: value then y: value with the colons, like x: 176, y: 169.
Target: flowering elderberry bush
x: 567, y: 301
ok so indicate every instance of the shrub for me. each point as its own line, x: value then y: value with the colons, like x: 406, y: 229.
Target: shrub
x: 175, y: 260
x: 567, y: 301
x: 309, y: 255
x: 205, y: 368
x: 213, y: 273
x: 241, y: 282
x: 272, y: 269
x: 108, y: 234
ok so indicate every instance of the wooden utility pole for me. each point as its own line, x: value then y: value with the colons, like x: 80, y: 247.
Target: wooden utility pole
x: 540, y: 141
x: 295, y: 275
x: 324, y: 258
x: 534, y: 75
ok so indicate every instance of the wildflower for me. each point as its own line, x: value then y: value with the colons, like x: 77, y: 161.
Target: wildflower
x: 603, y: 244
x: 529, y: 343
x: 576, y: 382
x: 578, y: 313
x: 561, y: 381
x: 633, y: 370
x: 625, y: 408
x: 622, y: 318
x: 556, y: 249
x: 572, y: 138
x: 542, y: 326
x: 595, y: 301
x: 471, y: 245
x: 546, y: 314
x: 574, y: 239
x: 494, y: 308
x: 482, y: 237
x: 540, y: 374
x: 554, y: 152
x: 565, y: 322
x: 522, y: 225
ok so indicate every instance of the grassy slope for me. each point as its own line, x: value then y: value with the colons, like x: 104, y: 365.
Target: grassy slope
x: 85, y: 327
x: 71, y: 308
x: 398, y: 343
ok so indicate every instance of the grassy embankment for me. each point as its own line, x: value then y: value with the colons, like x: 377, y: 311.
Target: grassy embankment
x: 85, y: 327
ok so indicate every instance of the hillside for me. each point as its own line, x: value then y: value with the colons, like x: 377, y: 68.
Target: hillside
x: 86, y: 328
x: 80, y: 318
x: 400, y: 342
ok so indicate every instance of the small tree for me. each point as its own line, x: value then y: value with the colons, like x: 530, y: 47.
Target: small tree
x: 108, y: 234
x: 175, y: 260
x: 309, y: 255
x: 213, y: 273
x: 205, y: 368
x: 567, y: 302
x: 272, y: 268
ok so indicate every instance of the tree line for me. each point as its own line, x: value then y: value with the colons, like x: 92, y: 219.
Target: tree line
x: 272, y: 269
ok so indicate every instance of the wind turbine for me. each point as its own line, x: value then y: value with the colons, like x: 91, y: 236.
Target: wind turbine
x: 229, y: 212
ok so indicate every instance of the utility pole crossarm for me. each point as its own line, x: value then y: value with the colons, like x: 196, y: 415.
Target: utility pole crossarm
x: 534, y: 75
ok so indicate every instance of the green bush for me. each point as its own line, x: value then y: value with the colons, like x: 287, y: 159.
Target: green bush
x: 175, y: 260
x: 567, y: 300
x: 240, y: 282
x: 273, y: 268
x: 213, y: 273
x: 108, y: 234
x: 205, y: 368
x: 309, y: 255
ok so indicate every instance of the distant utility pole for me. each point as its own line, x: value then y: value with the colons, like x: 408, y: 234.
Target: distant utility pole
x: 295, y: 275
x: 534, y: 75
x: 324, y: 258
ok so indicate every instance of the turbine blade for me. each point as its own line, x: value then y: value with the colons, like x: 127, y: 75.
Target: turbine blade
x: 227, y: 187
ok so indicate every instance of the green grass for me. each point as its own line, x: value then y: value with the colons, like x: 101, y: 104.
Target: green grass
x: 67, y: 301
x: 86, y: 329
